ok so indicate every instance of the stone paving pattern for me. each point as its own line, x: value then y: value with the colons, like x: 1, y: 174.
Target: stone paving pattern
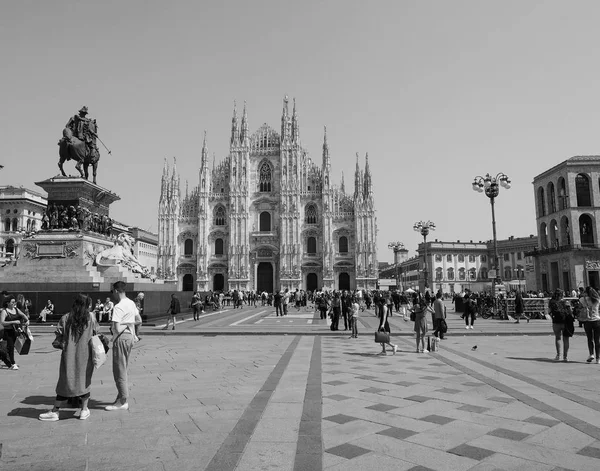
x: 294, y: 402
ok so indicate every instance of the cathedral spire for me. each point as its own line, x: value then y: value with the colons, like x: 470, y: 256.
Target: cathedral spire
x: 357, y: 183
x: 368, y: 184
x: 244, y: 132
x: 285, y: 120
x: 295, y: 126
x: 343, y: 185
x: 164, y: 183
x: 326, y: 161
x: 204, y: 160
x: 235, y: 133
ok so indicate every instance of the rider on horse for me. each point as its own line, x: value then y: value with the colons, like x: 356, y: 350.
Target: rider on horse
x: 84, y: 129
x: 79, y: 143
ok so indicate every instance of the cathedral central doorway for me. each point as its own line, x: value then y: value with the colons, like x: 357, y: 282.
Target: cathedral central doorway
x: 218, y: 282
x: 188, y: 282
x: 344, y: 281
x: 264, y: 277
x: 311, y: 282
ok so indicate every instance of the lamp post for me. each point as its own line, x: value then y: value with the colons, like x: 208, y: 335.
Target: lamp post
x: 424, y: 228
x: 491, y: 186
x: 396, y: 247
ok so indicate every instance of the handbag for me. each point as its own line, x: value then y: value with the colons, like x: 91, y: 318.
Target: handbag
x: 443, y: 326
x: 24, y: 341
x: 382, y: 337
x: 413, y: 316
x: 98, y: 351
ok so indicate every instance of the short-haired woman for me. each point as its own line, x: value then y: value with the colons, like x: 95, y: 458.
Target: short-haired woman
x: 76, y: 366
x: 591, y: 322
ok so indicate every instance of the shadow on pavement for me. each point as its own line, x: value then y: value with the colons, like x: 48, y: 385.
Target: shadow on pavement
x: 543, y: 360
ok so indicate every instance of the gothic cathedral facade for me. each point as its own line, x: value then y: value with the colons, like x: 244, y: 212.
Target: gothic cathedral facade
x: 267, y: 218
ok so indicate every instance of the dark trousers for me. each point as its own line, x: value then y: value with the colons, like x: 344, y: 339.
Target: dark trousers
x: 592, y: 331
x: 10, y: 335
x: 323, y: 313
x: 437, y: 324
x: 278, y: 310
x: 335, y: 319
x: 472, y: 316
x: 345, y: 317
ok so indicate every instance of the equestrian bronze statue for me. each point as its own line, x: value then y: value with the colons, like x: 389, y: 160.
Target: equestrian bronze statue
x: 79, y: 144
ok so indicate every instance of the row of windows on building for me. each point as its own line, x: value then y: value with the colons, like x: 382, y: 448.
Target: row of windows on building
x: 15, y: 211
x: 310, y: 217
x: 509, y: 273
x: 311, y: 246
x: 548, y: 201
x: 472, y: 258
x: 13, y: 225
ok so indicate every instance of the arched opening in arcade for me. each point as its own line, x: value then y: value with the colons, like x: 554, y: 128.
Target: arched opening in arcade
x: 219, y: 282
x: 188, y: 282
x: 10, y: 247
x: 312, y: 282
x: 344, y: 281
x: 264, y: 277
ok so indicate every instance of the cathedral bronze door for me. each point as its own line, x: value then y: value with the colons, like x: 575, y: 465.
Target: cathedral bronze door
x: 344, y: 281
x: 188, y: 282
x: 218, y: 282
x: 264, y: 277
x: 312, y: 282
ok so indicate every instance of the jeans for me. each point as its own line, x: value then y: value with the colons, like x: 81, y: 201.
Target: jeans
x: 121, y: 351
x: 354, y: 324
x: 278, y: 310
x: 335, y: 319
x: 285, y: 306
x: 10, y: 335
x: 592, y: 331
x: 345, y: 317
x: 472, y: 316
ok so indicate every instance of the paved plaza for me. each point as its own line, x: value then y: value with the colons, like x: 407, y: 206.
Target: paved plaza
x: 312, y: 402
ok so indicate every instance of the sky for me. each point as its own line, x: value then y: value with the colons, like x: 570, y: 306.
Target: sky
x: 437, y: 93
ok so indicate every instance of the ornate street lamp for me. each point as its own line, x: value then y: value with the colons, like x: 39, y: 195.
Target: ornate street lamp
x: 491, y: 186
x: 396, y: 247
x: 424, y: 228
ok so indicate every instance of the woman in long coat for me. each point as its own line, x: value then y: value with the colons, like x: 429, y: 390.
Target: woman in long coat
x: 75, y: 329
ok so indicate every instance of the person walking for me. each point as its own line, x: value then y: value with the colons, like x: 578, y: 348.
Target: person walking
x: 139, y: 304
x: 336, y: 308
x: 591, y: 323
x: 558, y: 313
x: 354, y: 307
x: 420, y: 309
x: 439, y: 314
x: 470, y: 310
x: 125, y: 316
x: 174, y: 309
x: 520, y: 307
x: 74, y: 330
x: 11, y: 318
x: 384, y: 326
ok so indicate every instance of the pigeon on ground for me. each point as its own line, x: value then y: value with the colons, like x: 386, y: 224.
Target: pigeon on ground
x: 474, y: 348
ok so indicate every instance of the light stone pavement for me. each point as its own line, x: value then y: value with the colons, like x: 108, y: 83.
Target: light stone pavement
x: 310, y: 402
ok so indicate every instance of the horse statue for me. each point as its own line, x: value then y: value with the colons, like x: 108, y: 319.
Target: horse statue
x: 72, y: 147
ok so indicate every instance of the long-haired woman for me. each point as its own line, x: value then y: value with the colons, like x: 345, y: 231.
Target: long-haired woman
x: 558, y: 312
x: 420, y: 309
x: 76, y: 367
x: 385, y: 326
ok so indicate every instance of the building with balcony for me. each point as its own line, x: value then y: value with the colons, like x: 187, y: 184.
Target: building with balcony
x: 267, y: 218
x: 567, y: 203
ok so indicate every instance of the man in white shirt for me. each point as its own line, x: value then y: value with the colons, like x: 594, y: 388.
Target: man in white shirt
x: 124, y: 318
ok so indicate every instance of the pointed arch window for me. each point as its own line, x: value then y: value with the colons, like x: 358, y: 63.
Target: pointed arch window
x: 188, y: 247
x: 311, y: 214
x: 218, y: 246
x: 311, y: 245
x: 265, y: 176
x: 7, y: 225
x: 220, y: 216
x: 343, y: 244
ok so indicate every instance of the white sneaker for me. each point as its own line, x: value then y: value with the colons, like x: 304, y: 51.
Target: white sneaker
x: 117, y: 406
x: 467, y: 327
x: 14, y: 367
x: 395, y: 349
x: 597, y: 361
x: 590, y: 359
x: 49, y: 416
x: 425, y: 351
x: 471, y: 327
x: 85, y: 414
